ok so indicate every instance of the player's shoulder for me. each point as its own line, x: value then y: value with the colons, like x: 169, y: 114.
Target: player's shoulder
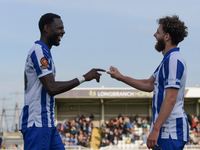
x: 177, y: 56
x: 36, y: 48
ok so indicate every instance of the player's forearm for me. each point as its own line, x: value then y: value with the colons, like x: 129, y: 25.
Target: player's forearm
x: 55, y: 87
x: 143, y: 85
x: 60, y: 87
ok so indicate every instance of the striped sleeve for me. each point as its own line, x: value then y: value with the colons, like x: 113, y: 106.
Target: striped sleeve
x: 173, y: 72
x: 154, y: 74
x: 41, y: 63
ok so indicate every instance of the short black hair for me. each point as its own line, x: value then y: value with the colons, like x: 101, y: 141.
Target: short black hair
x: 47, y: 18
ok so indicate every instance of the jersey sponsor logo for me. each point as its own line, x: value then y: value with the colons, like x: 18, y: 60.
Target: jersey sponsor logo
x: 44, y: 62
x: 177, y: 80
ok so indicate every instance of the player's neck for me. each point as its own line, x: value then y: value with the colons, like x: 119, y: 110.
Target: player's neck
x: 45, y: 41
x: 168, y: 47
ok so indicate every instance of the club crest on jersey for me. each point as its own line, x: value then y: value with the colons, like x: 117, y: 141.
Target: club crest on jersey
x: 44, y: 62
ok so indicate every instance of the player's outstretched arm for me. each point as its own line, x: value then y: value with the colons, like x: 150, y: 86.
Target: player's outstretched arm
x: 144, y: 85
x: 56, y: 87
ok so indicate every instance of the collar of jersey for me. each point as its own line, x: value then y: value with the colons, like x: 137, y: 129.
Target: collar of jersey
x: 170, y: 51
x: 43, y: 45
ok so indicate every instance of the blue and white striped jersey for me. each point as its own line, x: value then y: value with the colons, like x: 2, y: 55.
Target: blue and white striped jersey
x: 171, y: 73
x: 38, y: 105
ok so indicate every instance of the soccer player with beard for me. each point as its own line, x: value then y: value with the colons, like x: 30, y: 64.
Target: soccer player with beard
x: 169, y: 129
x: 37, y: 122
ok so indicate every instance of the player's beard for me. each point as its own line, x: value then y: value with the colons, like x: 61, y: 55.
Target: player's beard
x: 54, y: 40
x: 160, y: 45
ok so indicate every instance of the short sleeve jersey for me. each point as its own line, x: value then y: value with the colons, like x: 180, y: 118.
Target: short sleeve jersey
x: 171, y: 73
x: 38, y: 105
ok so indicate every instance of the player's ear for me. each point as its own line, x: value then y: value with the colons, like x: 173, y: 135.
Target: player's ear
x: 167, y: 37
x: 46, y: 28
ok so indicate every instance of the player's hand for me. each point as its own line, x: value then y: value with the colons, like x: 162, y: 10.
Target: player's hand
x: 114, y: 73
x: 93, y: 74
x: 152, y: 139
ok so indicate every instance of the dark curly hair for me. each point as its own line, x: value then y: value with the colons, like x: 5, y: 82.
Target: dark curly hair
x: 47, y: 18
x: 175, y: 27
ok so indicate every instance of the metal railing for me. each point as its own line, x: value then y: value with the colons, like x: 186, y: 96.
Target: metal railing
x: 66, y: 147
x: 76, y: 148
x: 143, y: 147
x: 115, y: 147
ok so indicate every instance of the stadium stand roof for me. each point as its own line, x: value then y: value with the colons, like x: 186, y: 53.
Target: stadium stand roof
x: 190, y: 92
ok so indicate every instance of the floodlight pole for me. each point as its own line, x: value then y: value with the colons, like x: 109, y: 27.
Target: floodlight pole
x: 3, y: 114
x: 16, y: 111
